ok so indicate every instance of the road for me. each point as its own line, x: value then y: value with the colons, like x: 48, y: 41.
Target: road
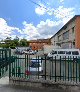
x: 8, y: 88
x: 5, y: 87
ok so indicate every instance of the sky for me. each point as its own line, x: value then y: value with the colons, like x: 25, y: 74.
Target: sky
x: 35, y: 19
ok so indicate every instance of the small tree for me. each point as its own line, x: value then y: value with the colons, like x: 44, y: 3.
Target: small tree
x: 24, y: 42
x: 12, y: 45
x: 16, y: 41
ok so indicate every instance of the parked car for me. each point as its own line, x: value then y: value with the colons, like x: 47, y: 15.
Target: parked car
x: 30, y: 52
x: 35, y: 67
x: 68, y: 53
x: 18, y: 51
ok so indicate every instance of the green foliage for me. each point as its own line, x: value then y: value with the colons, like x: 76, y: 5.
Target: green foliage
x: 14, y: 43
x: 24, y: 42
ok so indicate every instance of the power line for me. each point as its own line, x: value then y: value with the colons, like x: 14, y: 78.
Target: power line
x: 37, y: 4
x: 43, y: 1
x: 47, y: 10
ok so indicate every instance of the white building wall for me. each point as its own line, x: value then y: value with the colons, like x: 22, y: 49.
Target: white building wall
x: 67, y: 43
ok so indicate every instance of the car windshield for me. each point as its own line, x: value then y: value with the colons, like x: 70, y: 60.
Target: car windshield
x: 35, y: 64
x: 54, y: 52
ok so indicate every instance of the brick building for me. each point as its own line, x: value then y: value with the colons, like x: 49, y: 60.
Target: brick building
x: 39, y: 43
x: 69, y: 35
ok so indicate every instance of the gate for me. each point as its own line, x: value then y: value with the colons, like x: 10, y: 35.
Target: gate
x: 62, y: 70
x: 5, y: 55
x: 22, y: 67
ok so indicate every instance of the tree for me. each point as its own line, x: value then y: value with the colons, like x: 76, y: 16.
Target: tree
x: 9, y: 43
x: 24, y: 42
x: 12, y: 45
x: 16, y: 41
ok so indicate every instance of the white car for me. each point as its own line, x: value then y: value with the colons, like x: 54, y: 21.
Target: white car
x: 68, y: 53
x: 35, y: 67
x: 30, y: 52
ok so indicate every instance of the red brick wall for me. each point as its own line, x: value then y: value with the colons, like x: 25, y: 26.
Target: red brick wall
x: 36, y: 46
x: 77, y: 33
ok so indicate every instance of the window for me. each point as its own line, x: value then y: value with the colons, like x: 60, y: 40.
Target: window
x: 54, y: 42
x: 66, y: 35
x: 54, y: 52
x: 75, y: 53
x: 68, y: 52
x: 61, y: 52
x: 34, y: 47
x: 65, y: 45
x: 59, y: 38
x: 73, y: 43
x: 73, y: 30
x: 35, y: 64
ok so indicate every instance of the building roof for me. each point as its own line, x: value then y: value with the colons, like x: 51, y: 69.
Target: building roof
x: 39, y: 40
x: 64, y: 27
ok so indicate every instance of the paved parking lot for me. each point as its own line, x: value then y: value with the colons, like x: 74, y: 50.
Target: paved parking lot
x: 9, y: 88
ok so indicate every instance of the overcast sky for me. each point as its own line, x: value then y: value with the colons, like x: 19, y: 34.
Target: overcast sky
x: 35, y: 19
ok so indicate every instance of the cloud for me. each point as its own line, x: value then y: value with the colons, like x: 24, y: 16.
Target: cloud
x: 61, y: 1
x: 64, y: 14
x: 47, y: 26
x: 44, y: 29
x: 60, y: 12
x: 30, y: 30
x: 40, y: 10
x: 5, y: 30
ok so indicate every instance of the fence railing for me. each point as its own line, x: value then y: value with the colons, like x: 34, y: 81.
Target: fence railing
x: 62, y: 69
x: 5, y: 55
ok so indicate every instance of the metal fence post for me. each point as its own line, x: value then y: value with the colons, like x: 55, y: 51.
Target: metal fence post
x: 0, y: 71
x: 65, y: 68
x: 68, y: 68
x: 60, y: 67
x: 52, y: 67
x: 73, y: 68
x: 50, y: 70
x: 76, y: 69
x: 55, y: 68
x: 79, y: 72
x: 19, y: 72
x: 9, y: 63
x: 25, y: 65
x: 45, y: 68
x: 38, y: 67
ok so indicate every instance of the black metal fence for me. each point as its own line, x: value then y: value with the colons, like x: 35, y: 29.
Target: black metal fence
x: 5, y: 55
x: 62, y: 69
x: 37, y: 67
